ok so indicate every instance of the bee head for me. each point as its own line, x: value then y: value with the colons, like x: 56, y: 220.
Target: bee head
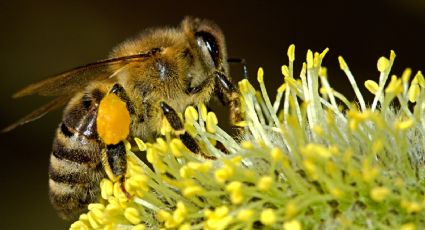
x: 208, y: 39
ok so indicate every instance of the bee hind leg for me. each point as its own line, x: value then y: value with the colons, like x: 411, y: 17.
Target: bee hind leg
x: 175, y: 122
x: 114, y: 161
x: 117, y: 160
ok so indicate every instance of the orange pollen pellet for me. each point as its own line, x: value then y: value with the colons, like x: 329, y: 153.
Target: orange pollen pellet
x: 113, y: 120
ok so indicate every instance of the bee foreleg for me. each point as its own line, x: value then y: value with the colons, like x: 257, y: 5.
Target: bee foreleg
x: 198, y: 88
x: 229, y: 96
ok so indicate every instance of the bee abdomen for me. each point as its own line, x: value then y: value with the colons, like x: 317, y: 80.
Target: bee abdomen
x: 66, y: 147
x: 71, y: 200
x: 75, y: 163
x: 75, y: 172
x: 63, y: 171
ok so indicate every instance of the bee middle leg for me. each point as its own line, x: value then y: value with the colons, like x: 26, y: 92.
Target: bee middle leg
x: 175, y: 122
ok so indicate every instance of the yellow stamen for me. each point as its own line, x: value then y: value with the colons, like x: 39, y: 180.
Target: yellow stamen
x: 383, y: 64
x: 268, y: 217
x: 378, y: 194
x: 260, y: 75
x: 291, y: 53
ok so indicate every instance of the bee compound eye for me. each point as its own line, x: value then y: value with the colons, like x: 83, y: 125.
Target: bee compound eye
x: 211, y: 45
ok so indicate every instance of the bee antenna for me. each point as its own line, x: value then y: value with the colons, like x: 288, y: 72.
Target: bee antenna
x: 242, y: 62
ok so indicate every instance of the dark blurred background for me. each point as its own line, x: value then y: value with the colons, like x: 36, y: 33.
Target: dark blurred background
x: 41, y: 38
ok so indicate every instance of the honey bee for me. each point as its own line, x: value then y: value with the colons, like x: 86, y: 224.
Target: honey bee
x: 146, y: 79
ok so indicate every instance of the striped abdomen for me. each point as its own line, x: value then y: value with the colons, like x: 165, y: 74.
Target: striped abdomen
x: 75, y: 163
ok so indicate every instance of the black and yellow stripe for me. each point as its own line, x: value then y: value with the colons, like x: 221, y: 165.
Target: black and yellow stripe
x: 75, y: 167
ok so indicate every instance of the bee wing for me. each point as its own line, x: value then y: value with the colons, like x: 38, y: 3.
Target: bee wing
x: 43, y: 110
x: 74, y: 80
x: 66, y: 84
